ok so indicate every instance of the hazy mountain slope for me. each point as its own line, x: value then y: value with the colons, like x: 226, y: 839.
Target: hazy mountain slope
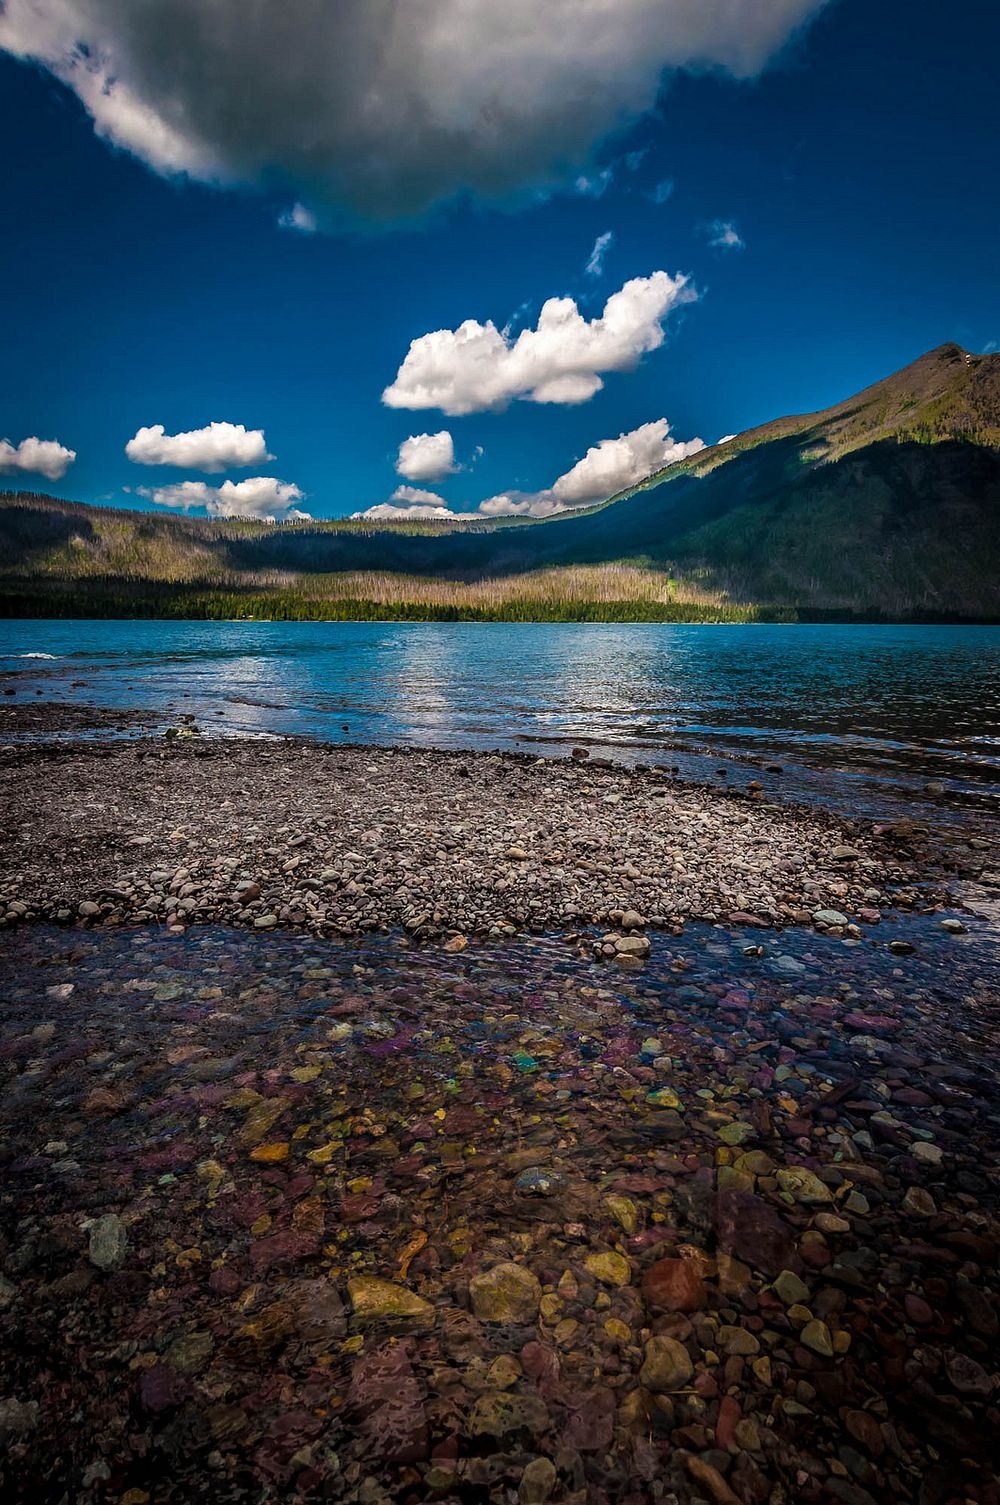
x: 886, y: 504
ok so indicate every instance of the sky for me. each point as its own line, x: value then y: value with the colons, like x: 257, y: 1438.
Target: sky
x: 454, y: 257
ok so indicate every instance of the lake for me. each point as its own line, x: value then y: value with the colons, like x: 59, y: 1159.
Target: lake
x: 851, y: 713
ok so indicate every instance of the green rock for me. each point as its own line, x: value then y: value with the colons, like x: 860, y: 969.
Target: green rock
x: 728, y: 1178
x: 371, y: 1297
x: 663, y: 1097
x: 736, y: 1133
x: 537, y: 1482
x: 506, y: 1293
x: 667, y: 1366
x: 498, y: 1413
x: 757, y: 1162
x: 737, y: 1340
x: 790, y: 1289
x: 802, y: 1186
x: 623, y: 1210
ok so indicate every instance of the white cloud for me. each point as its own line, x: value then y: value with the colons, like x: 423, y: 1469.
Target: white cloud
x: 662, y: 190
x: 215, y: 447
x: 299, y: 218
x: 427, y: 457
x: 606, y: 468
x: 413, y: 504
x: 724, y: 234
x: 478, y: 366
x: 43, y: 457
x: 260, y: 497
x: 595, y: 263
x: 381, y: 107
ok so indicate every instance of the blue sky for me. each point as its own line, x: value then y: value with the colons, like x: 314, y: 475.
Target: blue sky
x: 856, y: 165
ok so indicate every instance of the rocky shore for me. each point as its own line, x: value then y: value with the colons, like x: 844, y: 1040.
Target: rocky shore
x: 340, y: 840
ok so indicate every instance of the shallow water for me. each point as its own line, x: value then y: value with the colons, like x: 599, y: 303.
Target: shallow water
x: 263, y: 1123
x: 853, y: 714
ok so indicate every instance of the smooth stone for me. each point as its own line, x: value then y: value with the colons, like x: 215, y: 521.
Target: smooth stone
x: 675, y: 1285
x: 611, y: 1268
x: 790, y: 1289
x: 537, y: 1482
x: 667, y: 1365
x: 505, y: 1293
x: 107, y: 1242
x: 371, y: 1297
x: 816, y: 1335
x: 803, y: 1186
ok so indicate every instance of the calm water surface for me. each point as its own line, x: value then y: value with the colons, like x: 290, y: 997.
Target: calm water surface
x: 850, y: 712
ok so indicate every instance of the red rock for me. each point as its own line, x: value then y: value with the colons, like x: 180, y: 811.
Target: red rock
x: 675, y: 1285
x: 917, y: 1309
x: 729, y: 1414
x: 386, y: 1398
x: 752, y: 1230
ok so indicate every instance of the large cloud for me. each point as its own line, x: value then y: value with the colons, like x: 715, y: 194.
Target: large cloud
x: 217, y: 446
x: 606, y: 468
x: 426, y: 457
x: 260, y: 497
x: 379, y: 106
x: 43, y: 457
x: 479, y: 366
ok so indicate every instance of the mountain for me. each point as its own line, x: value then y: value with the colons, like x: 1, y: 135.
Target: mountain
x: 885, y: 506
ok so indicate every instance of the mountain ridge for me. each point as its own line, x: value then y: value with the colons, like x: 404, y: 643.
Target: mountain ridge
x: 885, y: 505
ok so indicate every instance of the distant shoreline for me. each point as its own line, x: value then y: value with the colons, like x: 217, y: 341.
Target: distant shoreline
x: 17, y: 609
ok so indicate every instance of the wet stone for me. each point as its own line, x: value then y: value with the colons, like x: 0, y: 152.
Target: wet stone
x: 409, y: 1223
x: 506, y: 1293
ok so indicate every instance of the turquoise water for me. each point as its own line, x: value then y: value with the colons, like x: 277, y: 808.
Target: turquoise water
x: 850, y: 710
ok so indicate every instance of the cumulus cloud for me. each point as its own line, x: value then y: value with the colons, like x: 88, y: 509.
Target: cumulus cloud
x: 217, y: 446
x: 260, y: 497
x: 426, y: 457
x: 595, y: 262
x: 43, y: 457
x: 299, y: 218
x: 379, y: 107
x: 477, y: 366
x: 724, y: 234
x: 606, y: 468
x: 411, y: 503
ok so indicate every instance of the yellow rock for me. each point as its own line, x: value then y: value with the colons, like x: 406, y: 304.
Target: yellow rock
x: 324, y: 1154
x: 611, y: 1268
x: 624, y: 1212
x: 261, y: 1225
x: 371, y: 1297
x: 619, y: 1331
x: 271, y: 1153
x: 504, y: 1372
x: 305, y: 1073
x: 263, y: 1114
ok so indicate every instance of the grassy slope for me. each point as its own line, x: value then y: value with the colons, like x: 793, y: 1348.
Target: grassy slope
x: 886, y: 504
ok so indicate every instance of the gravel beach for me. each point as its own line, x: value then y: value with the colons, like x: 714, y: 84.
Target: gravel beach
x: 343, y: 840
